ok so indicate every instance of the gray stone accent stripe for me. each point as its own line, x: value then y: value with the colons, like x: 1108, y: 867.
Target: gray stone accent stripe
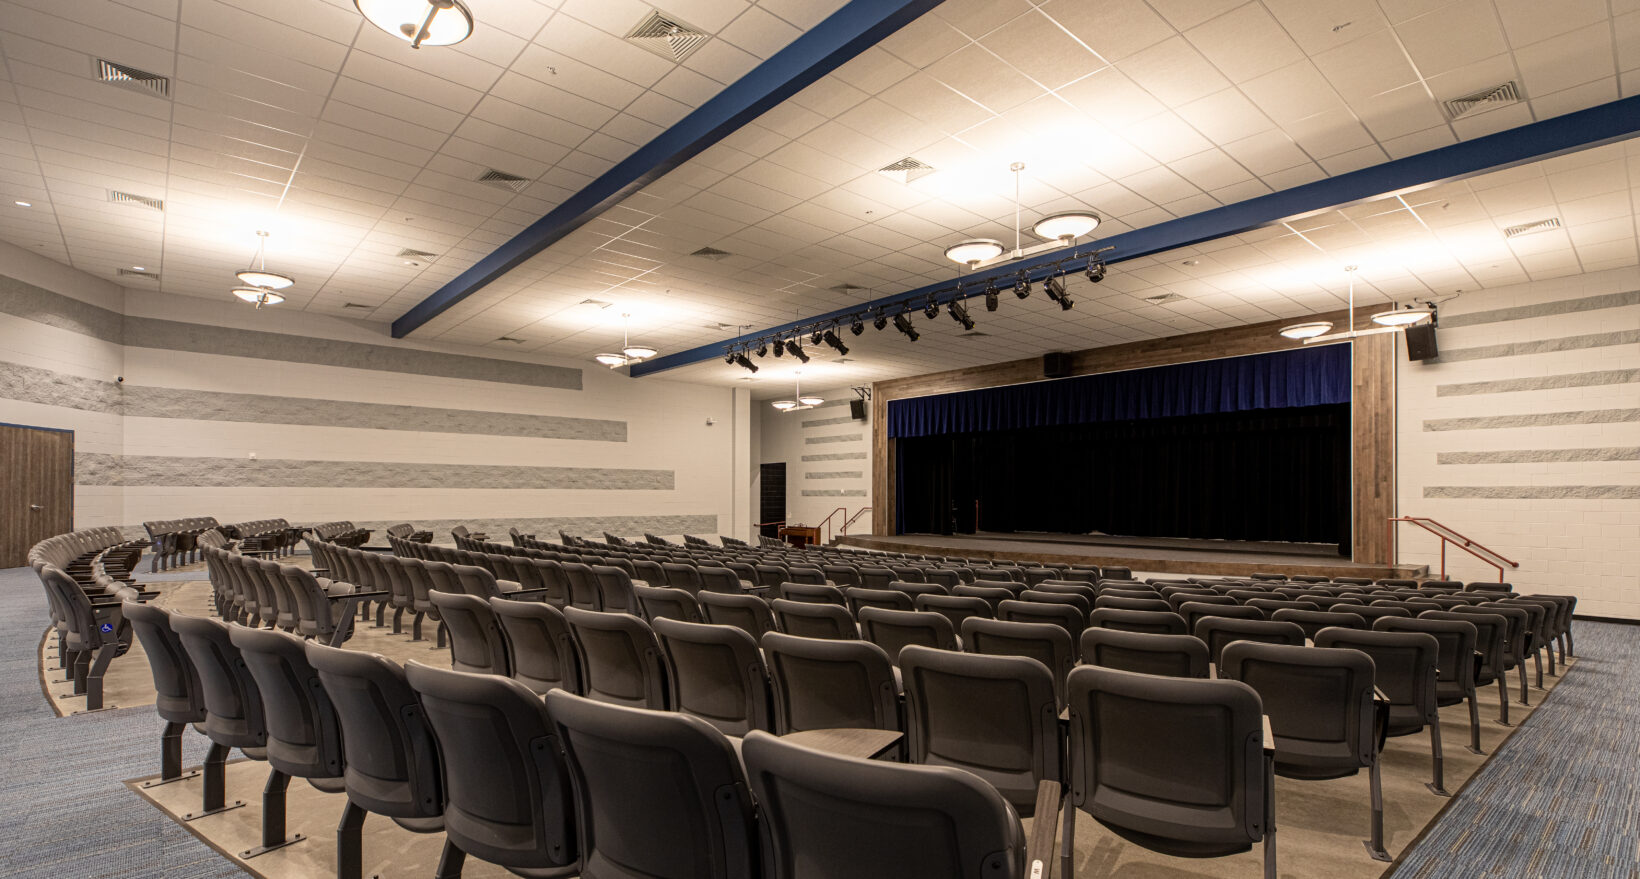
x: 834, y: 474
x: 153, y: 470
x: 1534, y: 492
x: 34, y: 385
x: 152, y: 402
x: 65, y: 312
x: 1538, y: 456
x: 1542, y: 309
x: 834, y: 492
x: 31, y: 384
x: 1541, y: 346
x: 830, y: 403
x: 837, y: 456
x: 840, y: 438
x: 1541, y: 419
x: 826, y: 422
x: 548, y: 528
x: 1541, y: 383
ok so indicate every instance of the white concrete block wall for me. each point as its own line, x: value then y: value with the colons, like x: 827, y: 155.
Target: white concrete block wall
x: 1570, y: 518
x: 790, y: 437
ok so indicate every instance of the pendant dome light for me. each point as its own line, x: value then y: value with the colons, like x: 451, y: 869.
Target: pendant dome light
x: 420, y: 22
x: 803, y: 401
x: 258, y: 275
x: 630, y: 353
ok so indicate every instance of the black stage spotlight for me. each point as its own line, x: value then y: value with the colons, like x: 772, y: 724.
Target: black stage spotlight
x: 830, y: 338
x: 796, y: 350
x: 857, y: 326
x: 881, y: 320
x: 1055, y: 288
x: 815, y: 337
x: 903, y: 324
x: 1022, y: 286
x: 745, y: 361
x: 960, y: 315
x: 1096, y: 270
x: 762, y: 348
x: 729, y: 357
x: 779, y: 347
x: 931, y: 308
x: 991, y: 296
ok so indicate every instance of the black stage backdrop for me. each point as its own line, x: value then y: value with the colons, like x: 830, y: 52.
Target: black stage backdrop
x: 1262, y: 474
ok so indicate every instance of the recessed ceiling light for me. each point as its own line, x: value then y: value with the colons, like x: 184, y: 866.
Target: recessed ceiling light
x: 23, y: 204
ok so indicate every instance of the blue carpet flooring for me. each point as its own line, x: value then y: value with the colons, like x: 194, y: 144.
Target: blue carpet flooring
x: 65, y: 812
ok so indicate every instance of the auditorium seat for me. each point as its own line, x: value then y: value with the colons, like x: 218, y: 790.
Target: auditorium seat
x: 476, y: 642
x: 1270, y: 605
x: 893, y: 630
x: 716, y: 673
x: 1313, y: 621
x: 1182, y: 656
x: 812, y: 593
x: 891, y: 599
x: 1192, y: 611
x: 1121, y: 619
x: 1455, y: 672
x: 955, y: 608
x: 1219, y: 632
x: 1067, y: 616
x: 1405, y: 670
x: 1491, y: 651
x: 811, y: 620
x: 179, y: 701
x: 508, y: 797
x: 233, y: 705
x: 830, y: 684
x: 1047, y: 643
x: 749, y: 613
x: 664, y: 602
x: 619, y: 658
x: 540, y: 650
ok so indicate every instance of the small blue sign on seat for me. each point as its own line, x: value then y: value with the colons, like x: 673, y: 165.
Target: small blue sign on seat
x: 107, y: 627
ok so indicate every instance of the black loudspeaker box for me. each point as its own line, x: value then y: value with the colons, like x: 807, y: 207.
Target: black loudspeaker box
x: 1421, y: 343
x: 1056, y: 364
x: 857, y: 409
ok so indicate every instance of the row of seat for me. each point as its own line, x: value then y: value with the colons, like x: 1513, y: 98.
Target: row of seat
x: 86, y: 575
x: 276, y: 536
x: 342, y: 532
x: 173, y: 541
x: 547, y: 788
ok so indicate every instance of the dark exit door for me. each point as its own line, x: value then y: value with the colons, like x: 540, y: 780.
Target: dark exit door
x: 771, y: 498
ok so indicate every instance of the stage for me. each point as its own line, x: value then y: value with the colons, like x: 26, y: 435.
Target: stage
x: 1154, y: 555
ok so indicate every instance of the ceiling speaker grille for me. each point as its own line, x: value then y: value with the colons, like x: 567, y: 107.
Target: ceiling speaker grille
x: 503, y: 180
x: 906, y: 170
x: 1534, y: 226
x: 412, y: 253
x: 137, y: 201
x: 1485, y: 99
x: 132, y: 78
x: 666, y: 36
x: 139, y: 273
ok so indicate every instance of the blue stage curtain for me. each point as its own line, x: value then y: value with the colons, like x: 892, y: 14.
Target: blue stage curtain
x: 1279, y: 380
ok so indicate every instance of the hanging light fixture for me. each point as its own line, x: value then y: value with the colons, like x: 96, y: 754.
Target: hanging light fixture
x: 1413, y: 313
x: 974, y: 251
x: 258, y: 296
x: 802, y: 401
x: 1060, y: 230
x: 1307, y: 330
x: 630, y: 353
x: 258, y: 275
x: 1066, y: 226
x: 1320, y: 331
x: 420, y: 22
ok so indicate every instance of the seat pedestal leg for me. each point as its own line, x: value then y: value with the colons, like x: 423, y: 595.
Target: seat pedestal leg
x: 170, y: 756
x: 1438, y: 786
x: 350, y: 843
x: 216, y: 769
x: 273, y: 817
x: 449, y: 863
x: 1375, y: 845
x: 1503, y: 699
x: 1068, y: 846
x: 1474, y: 726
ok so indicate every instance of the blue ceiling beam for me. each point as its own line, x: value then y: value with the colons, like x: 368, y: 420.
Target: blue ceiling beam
x: 858, y: 26
x: 1583, y: 129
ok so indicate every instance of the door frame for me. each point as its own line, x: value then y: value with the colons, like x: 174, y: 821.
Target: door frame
x: 71, y: 461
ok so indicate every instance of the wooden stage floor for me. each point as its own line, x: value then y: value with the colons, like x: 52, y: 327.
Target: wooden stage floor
x: 1152, y: 555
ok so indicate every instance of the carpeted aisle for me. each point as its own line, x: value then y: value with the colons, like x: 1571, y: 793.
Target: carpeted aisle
x: 1562, y: 797
x: 65, y: 811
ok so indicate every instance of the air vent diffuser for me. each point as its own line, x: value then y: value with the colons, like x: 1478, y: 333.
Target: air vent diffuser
x: 666, y: 36
x: 356, y: 305
x: 711, y: 253
x: 906, y: 170
x: 1485, y: 99
x: 411, y: 253
x: 131, y: 78
x: 503, y: 180
x: 139, y: 273
x: 509, y: 339
x: 1164, y: 297
x: 1534, y: 226
x: 136, y: 201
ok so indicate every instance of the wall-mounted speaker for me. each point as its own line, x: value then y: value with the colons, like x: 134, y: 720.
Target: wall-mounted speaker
x: 1056, y: 364
x: 857, y: 409
x: 1421, y: 343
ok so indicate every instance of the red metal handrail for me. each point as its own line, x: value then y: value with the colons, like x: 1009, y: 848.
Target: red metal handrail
x: 1448, y: 535
x: 827, y: 522
x: 854, y: 518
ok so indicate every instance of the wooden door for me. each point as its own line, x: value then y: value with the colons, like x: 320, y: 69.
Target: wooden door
x: 36, y: 488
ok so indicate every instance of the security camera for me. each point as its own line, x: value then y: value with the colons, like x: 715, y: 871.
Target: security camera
x: 120, y: 379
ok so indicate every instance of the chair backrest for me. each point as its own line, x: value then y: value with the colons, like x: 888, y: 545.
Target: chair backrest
x: 812, y: 593
x: 875, y: 576
x: 955, y: 608
x: 666, y: 602
x: 1179, y: 656
x: 392, y: 762
x: 717, y: 674
x: 826, y: 815
x: 1154, y: 622
x: 476, y: 642
x: 1320, y: 704
x: 508, y: 796
x: 718, y: 578
x: 749, y: 613
x: 304, y: 735
x: 233, y: 704
x: 1313, y: 621
x: 1069, y: 617
x: 620, y: 660
x: 1081, y: 603
x: 1175, y: 764
x: 992, y: 595
x: 583, y: 586
x: 894, y: 630
x: 176, y: 683
x: 814, y: 620
x: 1216, y: 632
x: 1491, y: 635
x: 540, y: 650
x: 1456, y: 666
x: 1123, y: 602
x: 614, y: 589
x: 892, y: 599
x: 824, y: 684
x: 1046, y: 643
x: 476, y: 580
x: 1404, y: 666
x: 680, y: 576
x: 1270, y: 605
x: 689, y: 815
x: 994, y: 716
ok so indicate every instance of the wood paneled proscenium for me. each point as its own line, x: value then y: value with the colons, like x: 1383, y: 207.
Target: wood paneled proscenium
x: 1372, y: 408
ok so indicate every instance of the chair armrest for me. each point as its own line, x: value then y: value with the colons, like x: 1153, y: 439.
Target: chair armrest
x: 1269, y: 736
x: 509, y: 586
x: 1379, y: 695
x: 1039, y: 849
x: 343, y: 596
x: 530, y: 593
